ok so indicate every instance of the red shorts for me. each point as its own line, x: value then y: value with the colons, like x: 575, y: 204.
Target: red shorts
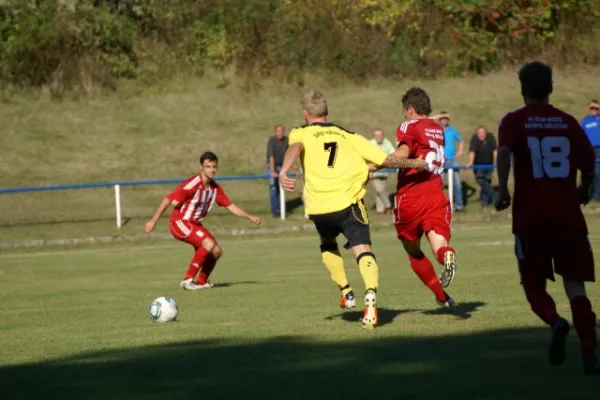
x: 189, y: 232
x: 418, y: 213
x: 539, y: 258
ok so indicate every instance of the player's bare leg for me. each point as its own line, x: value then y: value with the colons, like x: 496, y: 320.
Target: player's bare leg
x: 332, y: 259
x: 584, y: 321
x: 445, y: 255
x: 370, y: 273
x: 424, y: 270
x: 199, y: 259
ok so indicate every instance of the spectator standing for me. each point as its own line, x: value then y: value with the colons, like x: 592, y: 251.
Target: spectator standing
x: 591, y: 126
x: 383, y: 205
x: 276, y: 148
x: 483, y: 150
x: 451, y: 137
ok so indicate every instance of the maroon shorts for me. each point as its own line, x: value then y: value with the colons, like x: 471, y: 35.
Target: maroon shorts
x: 417, y: 213
x: 539, y: 258
x: 189, y: 232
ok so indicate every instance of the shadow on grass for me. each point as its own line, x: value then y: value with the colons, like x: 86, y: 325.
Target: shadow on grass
x: 386, y: 316
x: 501, y: 364
x: 229, y: 284
x: 461, y: 310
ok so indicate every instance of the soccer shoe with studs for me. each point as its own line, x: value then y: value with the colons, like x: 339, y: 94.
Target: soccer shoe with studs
x: 591, y: 366
x: 449, y: 302
x: 348, y: 301
x: 556, y: 351
x: 370, y: 317
x: 188, y: 284
x: 449, y: 269
x: 206, y: 285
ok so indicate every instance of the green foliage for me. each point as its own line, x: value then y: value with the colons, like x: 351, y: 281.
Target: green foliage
x: 45, y: 44
x: 488, y: 33
x: 70, y: 43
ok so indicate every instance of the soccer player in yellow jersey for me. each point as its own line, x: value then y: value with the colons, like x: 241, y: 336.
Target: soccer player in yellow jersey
x: 336, y: 167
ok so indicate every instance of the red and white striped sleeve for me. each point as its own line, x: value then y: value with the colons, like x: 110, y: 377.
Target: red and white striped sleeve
x: 184, y: 190
x: 222, y: 199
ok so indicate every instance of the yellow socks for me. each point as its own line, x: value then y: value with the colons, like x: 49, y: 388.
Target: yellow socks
x: 335, y: 264
x: 369, y: 270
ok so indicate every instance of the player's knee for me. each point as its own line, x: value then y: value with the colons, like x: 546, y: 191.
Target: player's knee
x: 217, y: 252
x: 419, y: 255
x: 533, y: 284
x: 574, y: 289
x: 365, y: 254
x: 329, y: 247
x: 209, y: 244
x: 412, y: 248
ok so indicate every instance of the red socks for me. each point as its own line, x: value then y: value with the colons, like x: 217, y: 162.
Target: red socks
x: 584, y: 321
x: 542, y: 304
x: 439, y: 255
x: 196, y: 263
x: 584, y: 318
x: 207, y: 268
x: 424, y: 270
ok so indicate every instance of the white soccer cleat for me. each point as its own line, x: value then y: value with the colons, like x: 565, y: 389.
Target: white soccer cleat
x: 206, y: 285
x: 348, y: 301
x: 370, y: 316
x: 448, y: 303
x: 188, y: 284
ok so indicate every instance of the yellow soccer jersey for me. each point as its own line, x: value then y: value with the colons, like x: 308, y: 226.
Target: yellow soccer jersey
x: 335, y: 167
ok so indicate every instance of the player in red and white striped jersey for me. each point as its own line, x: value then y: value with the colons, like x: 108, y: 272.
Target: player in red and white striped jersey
x: 193, y: 199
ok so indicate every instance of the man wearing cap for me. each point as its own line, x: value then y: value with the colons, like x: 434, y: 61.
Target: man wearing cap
x: 591, y: 126
x: 451, y: 136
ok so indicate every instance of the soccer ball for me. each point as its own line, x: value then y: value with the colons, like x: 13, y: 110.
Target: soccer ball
x: 163, y: 309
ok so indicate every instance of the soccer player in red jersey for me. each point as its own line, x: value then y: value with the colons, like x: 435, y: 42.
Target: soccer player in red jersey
x: 193, y: 199
x: 548, y: 148
x: 421, y: 206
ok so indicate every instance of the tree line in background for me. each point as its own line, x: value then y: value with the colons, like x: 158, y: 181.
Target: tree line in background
x: 74, y: 44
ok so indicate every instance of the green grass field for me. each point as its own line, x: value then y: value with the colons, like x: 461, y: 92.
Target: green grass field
x: 76, y: 325
x: 75, y: 319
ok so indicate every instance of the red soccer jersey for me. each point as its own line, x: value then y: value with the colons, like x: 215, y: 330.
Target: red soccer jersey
x: 548, y: 147
x: 193, y: 199
x: 425, y: 138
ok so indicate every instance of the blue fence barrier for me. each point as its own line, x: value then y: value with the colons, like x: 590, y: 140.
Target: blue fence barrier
x: 166, y: 181
x: 118, y: 184
x: 122, y: 183
x: 170, y: 181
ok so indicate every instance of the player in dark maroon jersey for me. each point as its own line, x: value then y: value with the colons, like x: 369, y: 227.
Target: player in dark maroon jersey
x: 549, y: 147
x: 421, y: 207
x: 193, y: 199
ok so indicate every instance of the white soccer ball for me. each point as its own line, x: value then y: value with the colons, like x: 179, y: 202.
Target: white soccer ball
x: 163, y: 309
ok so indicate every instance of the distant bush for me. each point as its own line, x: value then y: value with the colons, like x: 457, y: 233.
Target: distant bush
x: 73, y: 44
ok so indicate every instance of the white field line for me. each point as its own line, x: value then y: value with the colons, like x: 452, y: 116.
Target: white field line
x: 180, y: 245
x: 110, y: 249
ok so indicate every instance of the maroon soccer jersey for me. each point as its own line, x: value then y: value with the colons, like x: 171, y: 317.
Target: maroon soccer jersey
x: 548, y: 147
x: 424, y: 137
x: 193, y: 199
